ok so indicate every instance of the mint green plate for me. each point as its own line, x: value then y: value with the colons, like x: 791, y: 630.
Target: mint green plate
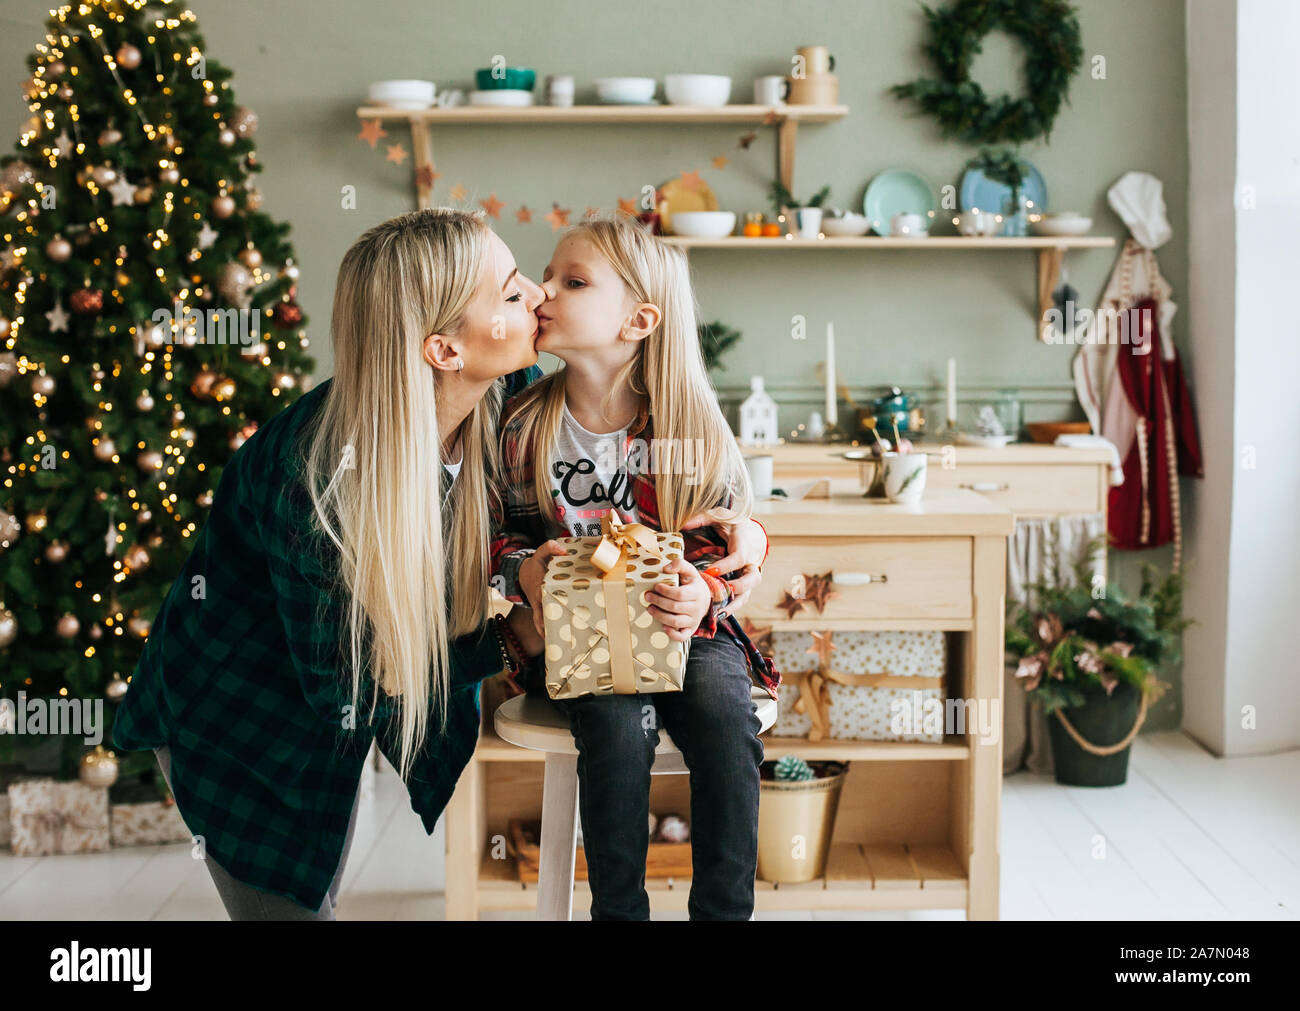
x: 897, y: 191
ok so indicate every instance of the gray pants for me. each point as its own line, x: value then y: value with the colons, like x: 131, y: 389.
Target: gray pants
x: 245, y: 902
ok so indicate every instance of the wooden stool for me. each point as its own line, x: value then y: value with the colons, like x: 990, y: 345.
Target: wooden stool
x: 537, y: 724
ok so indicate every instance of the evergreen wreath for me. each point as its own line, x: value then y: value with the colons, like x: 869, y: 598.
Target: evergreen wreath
x: 1049, y: 31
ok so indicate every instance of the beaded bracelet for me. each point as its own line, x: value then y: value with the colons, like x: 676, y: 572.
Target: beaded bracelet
x: 504, y: 636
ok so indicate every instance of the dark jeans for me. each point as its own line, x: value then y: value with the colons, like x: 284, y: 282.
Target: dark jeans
x: 712, y: 722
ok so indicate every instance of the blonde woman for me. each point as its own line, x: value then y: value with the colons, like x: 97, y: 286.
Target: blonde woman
x: 593, y: 437
x: 316, y: 612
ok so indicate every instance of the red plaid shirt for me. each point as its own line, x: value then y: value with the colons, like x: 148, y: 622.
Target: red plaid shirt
x: 522, y: 528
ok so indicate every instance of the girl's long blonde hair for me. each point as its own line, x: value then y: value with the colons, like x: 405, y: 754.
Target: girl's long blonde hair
x: 374, y: 468
x: 688, y: 424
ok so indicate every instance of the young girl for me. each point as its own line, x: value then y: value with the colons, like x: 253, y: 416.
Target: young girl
x: 620, y: 313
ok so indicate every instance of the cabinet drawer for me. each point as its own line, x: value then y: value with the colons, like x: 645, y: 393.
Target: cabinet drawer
x: 887, y: 577
x: 1038, y: 490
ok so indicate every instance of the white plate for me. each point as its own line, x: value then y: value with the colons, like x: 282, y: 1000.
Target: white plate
x: 987, y: 441
x: 1051, y: 225
x: 513, y: 97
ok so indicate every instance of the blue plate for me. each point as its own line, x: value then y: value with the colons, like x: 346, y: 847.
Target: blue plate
x: 897, y: 191
x: 979, y: 191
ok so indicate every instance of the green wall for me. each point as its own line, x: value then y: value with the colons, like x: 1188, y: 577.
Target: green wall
x: 304, y: 65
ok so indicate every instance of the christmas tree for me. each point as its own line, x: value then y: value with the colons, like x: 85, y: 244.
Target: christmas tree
x: 147, y: 324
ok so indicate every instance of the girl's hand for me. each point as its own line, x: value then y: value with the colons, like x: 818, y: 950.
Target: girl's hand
x: 531, y: 574
x: 520, y: 620
x: 746, y: 543
x: 680, y: 608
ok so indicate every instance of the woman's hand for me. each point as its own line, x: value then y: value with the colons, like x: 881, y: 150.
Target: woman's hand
x: 746, y: 544
x: 680, y: 608
x: 531, y: 574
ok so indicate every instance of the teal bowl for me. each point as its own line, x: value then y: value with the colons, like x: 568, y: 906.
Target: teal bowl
x: 516, y: 78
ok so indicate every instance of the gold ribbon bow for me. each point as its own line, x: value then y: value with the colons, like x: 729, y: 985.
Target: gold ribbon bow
x: 815, y: 692
x: 610, y: 557
x: 47, y: 826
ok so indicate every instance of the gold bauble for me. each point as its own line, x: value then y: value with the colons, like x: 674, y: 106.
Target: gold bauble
x: 109, y: 137
x: 251, y: 257
x: 127, y: 56
x: 136, y: 557
x: 44, y: 385
x: 105, y: 449
x: 37, y: 521
x: 56, y: 551
x: 8, y: 627
x: 58, y: 249
x: 98, y: 768
x: 149, y: 461
x: 68, y: 626
x: 144, y: 195
x: 138, y: 627
x: 10, y: 528
x: 223, y: 206
x: 143, y: 516
x: 224, y: 389
x: 96, y: 632
x: 103, y: 175
x: 116, y: 688
x: 204, y: 499
x: 145, y: 401
x: 170, y: 176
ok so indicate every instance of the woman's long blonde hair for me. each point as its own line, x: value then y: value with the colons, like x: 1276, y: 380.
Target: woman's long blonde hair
x: 669, y: 369
x: 374, y: 466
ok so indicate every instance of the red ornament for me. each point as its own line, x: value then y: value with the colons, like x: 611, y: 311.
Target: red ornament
x: 286, y: 314
x: 86, y: 301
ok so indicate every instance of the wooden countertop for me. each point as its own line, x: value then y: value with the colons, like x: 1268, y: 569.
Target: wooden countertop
x: 942, y: 512
x: 809, y: 454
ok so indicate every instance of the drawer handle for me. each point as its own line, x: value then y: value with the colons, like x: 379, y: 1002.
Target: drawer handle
x: 859, y: 578
x: 985, y: 486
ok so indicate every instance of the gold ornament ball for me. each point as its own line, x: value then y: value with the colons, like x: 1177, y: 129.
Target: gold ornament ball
x: 96, y: 632
x: 149, y: 461
x: 226, y: 137
x: 205, y: 499
x: 105, y: 450
x: 155, y: 540
x: 68, y: 626
x: 211, y: 99
x: 143, y: 516
x: 56, y: 551
x: 251, y: 257
x: 8, y: 627
x: 187, y: 435
x: 285, y: 380
x: 127, y: 56
x: 224, y: 389
x: 169, y: 141
x: 103, y: 175
x: 136, y: 557
x: 109, y: 137
x: 101, y: 495
x: 8, y: 367
x: 37, y: 521
x: 116, y: 688
x: 54, y: 70
x: 138, y: 627
x: 5, y: 327
x: 145, y: 401
x: 170, y: 176
x: 98, y: 768
x: 44, y: 385
x: 253, y: 201
x: 66, y: 92
x: 58, y: 249
x: 223, y: 206
x: 201, y: 387
x: 144, y: 195
x: 10, y: 528
x: 244, y: 120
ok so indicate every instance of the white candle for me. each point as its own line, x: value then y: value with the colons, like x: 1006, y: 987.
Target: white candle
x: 832, y: 415
x: 952, y: 392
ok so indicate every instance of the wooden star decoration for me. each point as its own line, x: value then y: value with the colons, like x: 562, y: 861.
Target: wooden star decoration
x: 57, y: 319
x: 558, y: 217
x: 627, y: 206
x: 396, y: 154
x: 818, y: 589
x: 790, y: 604
x: 720, y: 161
x: 822, y: 647
x: 425, y: 177
x: 492, y: 205
x: 691, y: 180
x: 459, y: 193
x: 770, y: 118
x: 524, y: 216
x: 591, y: 212
x: 371, y: 131
x: 759, y: 635
x: 123, y: 192
x: 746, y: 139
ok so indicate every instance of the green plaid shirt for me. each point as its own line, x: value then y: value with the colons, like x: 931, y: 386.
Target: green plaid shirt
x: 241, y: 678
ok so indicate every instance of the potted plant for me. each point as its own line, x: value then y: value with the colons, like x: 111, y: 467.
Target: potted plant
x: 1090, y: 658
x: 797, y: 804
x: 802, y: 218
x: 715, y: 339
x: 1003, y: 166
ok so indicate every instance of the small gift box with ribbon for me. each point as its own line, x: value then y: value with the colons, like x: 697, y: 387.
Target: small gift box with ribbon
x: 148, y: 824
x: 47, y: 816
x: 861, y: 686
x: 600, y: 637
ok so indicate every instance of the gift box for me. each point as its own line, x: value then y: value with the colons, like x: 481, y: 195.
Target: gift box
x: 861, y: 686
x: 148, y: 823
x: 4, y: 819
x: 600, y: 636
x: 47, y: 816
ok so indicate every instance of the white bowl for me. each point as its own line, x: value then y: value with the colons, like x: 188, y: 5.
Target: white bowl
x: 403, y: 94
x: 704, y: 224
x: 1065, y: 223
x: 638, y: 90
x: 697, y: 89
x: 513, y: 97
x: 846, y: 225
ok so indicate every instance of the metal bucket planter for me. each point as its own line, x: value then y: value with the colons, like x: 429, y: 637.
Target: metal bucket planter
x: 795, y: 821
x: 1091, y: 743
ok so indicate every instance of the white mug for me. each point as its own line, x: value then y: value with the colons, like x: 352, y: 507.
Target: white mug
x: 905, y: 477
x: 771, y: 90
x: 760, y: 474
x: 559, y: 89
x: 907, y: 224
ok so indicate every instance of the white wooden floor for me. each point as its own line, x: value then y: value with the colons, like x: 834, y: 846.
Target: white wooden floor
x: 1188, y: 837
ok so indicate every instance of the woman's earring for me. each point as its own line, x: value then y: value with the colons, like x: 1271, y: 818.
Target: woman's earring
x: 460, y: 365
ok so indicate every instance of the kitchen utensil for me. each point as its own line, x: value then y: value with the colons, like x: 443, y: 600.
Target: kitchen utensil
x: 909, y: 225
x: 979, y: 192
x: 704, y: 224
x: 905, y: 477
x: 816, y: 60
x: 978, y: 224
x: 897, y: 191
x: 501, y: 97
x: 697, y: 89
x: 559, y: 89
x: 510, y: 79
x: 403, y: 94
x: 803, y: 222
x: 760, y: 474
x: 675, y: 196
x: 817, y: 89
x: 1062, y: 223
x: 846, y: 224
x: 1047, y: 431
x: 772, y: 89
x: 625, y: 90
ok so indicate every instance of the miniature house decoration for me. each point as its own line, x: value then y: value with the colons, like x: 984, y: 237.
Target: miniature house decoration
x: 758, y: 416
